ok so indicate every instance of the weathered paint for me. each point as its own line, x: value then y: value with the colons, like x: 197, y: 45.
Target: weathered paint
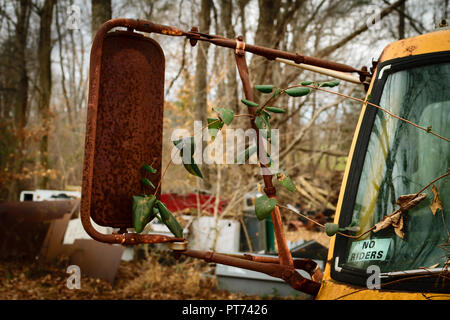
x: 331, y: 289
x: 427, y: 43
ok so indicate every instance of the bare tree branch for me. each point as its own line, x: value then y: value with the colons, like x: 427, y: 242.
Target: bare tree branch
x: 328, y: 50
x: 305, y: 129
x: 419, y: 29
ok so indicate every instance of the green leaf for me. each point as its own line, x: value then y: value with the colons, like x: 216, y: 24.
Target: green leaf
x: 193, y: 169
x: 263, y: 121
x: 285, y: 181
x: 266, y: 114
x: 307, y: 83
x: 334, y: 83
x: 329, y: 84
x: 142, y: 211
x: 214, y: 125
x: 246, y: 154
x: 188, y: 163
x: 260, y: 122
x: 276, y: 93
x: 249, y: 103
x: 264, y: 206
x: 169, y: 220
x: 275, y: 110
x: 264, y: 88
x: 331, y: 229
x: 298, y: 91
x: 147, y: 182
x: 350, y: 229
x: 149, y: 168
x: 226, y: 115
x: 184, y: 144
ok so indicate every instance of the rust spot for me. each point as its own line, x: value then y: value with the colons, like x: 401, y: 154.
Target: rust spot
x: 128, y: 119
x: 411, y: 49
x: 172, y: 32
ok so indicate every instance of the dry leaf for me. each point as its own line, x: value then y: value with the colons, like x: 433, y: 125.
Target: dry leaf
x: 398, y: 227
x: 408, y: 201
x: 437, y: 202
x: 395, y: 220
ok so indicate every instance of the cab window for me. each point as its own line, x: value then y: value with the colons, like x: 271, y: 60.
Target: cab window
x: 400, y: 160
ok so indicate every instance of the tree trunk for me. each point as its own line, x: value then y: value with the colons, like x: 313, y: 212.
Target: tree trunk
x: 259, y: 66
x: 401, y: 21
x: 101, y: 12
x: 242, y: 4
x: 21, y: 98
x: 21, y: 45
x: 201, y: 71
x: 45, y: 81
x: 274, y: 16
x: 231, y: 91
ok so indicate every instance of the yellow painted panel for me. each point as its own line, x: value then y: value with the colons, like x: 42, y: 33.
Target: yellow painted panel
x: 427, y: 43
x: 330, y: 289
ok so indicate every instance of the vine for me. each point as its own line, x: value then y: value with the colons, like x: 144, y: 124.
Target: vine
x: 145, y: 207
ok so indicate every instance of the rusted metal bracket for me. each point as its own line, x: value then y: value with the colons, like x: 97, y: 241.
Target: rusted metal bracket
x: 267, y: 265
x: 307, y: 265
x: 150, y: 27
x: 282, y: 267
x: 284, y: 253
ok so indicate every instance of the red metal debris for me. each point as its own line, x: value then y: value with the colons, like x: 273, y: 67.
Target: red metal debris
x: 176, y: 202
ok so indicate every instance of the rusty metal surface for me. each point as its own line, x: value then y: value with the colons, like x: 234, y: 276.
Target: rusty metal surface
x: 36, y: 211
x: 24, y: 225
x: 123, y: 128
x: 307, y: 265
x: 283, y: 250
x: 269, y: 267
x: 128, y: 125
x: 272, y: 54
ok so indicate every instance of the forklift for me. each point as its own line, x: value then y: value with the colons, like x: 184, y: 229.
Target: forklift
x: 388, y: 159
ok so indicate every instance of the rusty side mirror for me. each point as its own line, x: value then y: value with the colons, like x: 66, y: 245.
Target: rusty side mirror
x: 124, y: 124
x: 124, y: 131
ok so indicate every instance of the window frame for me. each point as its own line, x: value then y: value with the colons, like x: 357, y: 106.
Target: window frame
x: 354, y: 276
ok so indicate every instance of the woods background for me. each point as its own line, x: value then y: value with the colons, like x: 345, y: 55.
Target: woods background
x: 44, y: 61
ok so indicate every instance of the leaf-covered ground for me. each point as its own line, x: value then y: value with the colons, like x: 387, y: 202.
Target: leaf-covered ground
x: 156, y: 277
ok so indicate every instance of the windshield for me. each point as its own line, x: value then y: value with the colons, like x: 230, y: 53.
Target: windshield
x: 400, y: 160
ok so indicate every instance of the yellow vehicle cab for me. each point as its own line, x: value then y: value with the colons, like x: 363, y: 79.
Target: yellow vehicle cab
x: 390, y: 158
